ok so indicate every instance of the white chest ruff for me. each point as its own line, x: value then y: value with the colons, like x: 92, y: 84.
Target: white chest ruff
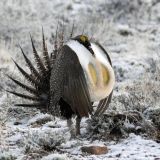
x: 99, y: 90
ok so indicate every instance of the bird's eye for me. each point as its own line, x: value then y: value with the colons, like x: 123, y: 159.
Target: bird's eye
x: 84, y: 38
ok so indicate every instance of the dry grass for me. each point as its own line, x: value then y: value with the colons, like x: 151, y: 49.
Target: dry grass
x: 136, y: 110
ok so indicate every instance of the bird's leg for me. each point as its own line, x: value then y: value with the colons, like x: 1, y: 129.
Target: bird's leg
x: 71, y: 128
x: 78, y: 121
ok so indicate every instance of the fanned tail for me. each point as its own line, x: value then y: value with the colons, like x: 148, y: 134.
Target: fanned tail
x: 38, y: 86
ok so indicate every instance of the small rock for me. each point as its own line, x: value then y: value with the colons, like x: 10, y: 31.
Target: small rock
x: 124, y: 30
x: 97, y: 150
x: 17, y: 123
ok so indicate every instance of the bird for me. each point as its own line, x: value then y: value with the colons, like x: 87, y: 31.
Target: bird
x: 67, y: 82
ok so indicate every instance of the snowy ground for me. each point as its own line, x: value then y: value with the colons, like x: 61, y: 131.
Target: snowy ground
x: 28, y: 139
x: 129, y: 30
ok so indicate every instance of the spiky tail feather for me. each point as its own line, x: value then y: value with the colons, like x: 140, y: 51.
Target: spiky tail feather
x: 39, y: 78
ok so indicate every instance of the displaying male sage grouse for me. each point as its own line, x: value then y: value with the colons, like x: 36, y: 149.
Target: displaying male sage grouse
x: 66, y: 83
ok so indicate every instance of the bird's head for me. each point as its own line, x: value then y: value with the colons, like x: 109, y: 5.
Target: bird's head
x: 83, y: 39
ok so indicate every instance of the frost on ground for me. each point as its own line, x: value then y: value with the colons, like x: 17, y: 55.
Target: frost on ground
x: 129, y: 30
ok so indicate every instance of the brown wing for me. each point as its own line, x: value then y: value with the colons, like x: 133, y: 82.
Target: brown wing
x: 75, y: 90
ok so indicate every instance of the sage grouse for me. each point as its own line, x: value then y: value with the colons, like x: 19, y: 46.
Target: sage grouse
x: 68, y: 82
